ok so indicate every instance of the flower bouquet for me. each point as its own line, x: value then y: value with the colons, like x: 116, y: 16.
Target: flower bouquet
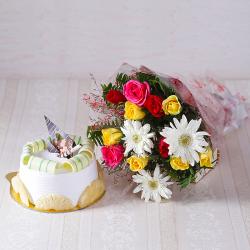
x: 153, y: 129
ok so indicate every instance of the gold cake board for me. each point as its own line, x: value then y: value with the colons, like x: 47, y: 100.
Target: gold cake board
x: 16, y: 197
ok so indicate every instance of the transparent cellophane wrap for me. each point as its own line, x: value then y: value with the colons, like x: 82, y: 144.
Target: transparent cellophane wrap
x: 90, y: 195
x: 220, y: 110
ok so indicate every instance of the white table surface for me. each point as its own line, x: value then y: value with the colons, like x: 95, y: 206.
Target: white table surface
x: 213, y: 214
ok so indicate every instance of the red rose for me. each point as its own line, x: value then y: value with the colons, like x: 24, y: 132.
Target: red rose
x: 154, y: 105
x: 115, y: 96
x: 163, y: 148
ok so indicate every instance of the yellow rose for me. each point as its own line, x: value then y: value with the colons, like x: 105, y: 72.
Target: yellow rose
x: 111, y: 136
x: 133, y: 112
x: 177, y: 164
x: 206, y: 158
x: 171, y: 105
x: 137, y: 163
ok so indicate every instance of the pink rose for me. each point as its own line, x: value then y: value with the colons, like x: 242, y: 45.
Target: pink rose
x: 136, y: 92
x: 112, y: 155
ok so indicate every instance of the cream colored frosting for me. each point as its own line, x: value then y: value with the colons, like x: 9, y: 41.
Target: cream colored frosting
x: 68, y: 184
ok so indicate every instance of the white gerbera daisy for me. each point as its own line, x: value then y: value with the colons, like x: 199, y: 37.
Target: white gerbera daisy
x: 137, y: 137
x: 184, y: 140
x: 152, y: 187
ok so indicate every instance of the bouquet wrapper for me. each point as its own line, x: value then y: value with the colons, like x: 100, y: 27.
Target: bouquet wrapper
x: 220, y: 110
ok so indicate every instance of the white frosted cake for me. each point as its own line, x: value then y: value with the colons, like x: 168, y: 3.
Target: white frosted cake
x: 47, y: 182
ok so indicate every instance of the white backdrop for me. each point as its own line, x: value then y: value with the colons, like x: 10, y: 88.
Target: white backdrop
x: 64, y: 38
x: 71, y: 38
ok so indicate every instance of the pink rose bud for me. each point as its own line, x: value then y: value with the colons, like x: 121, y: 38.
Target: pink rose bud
x: 136, y: 92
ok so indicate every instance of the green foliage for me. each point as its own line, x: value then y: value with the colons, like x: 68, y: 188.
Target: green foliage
x: 143, y: 77
x: 190, y: 112
x: 121, y: 79
x: 106, y: 88
x: 95, y: 134
x: 188, y: 178
x: 165, y: 89
x: 157, y: 86
x: 183, y: 177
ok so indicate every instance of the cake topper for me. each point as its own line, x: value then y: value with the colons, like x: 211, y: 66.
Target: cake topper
x: 59, y: 142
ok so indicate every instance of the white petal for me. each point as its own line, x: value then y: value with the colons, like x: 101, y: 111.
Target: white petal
x: 128, y: 125
x: 147, y: 148
x: 157, y: 172
x: 137, y: 189
x: 189, y: 158
x: 203, y: 143
x: 128, y: 149
x: 172, y: 125
x: 143, y: 194
x: 184, y: 121
x: 176, y: 123
x: 138, y: 178
x: 149, y: 143
x: 145, y: 174
x: 193, y: 126
x: 201, y: 133
x: 124, y: 131
x: 199, y: 149
x: 146, y: 128
x: 165, y: 192
x: 166, y: 178
x: 137, y: 125
x: 139, y: 149
x: 147, y: 196
x: 191, y: 161
x: 156, y: 197
x: 150, y: 135
x: 194, y: 155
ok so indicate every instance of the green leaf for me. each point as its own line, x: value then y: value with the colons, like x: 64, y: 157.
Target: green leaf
x: 157, y: 86
x: 189, y: 178
x: 121, y: 79
x: 106, y: 88
x: 143, y: 77
x: 95, y: 134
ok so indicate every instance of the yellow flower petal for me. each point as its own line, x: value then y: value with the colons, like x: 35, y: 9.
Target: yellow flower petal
x: 133, y: 112
x: 177, y: 163
x: 111, y: 136
x: 171, y: 105
x: 137, y: 163
x: 206, y: 158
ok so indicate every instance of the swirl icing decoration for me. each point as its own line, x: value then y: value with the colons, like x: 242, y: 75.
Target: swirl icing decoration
x: 32, y: 147
x: 75, y: 164
x: 83, y: 158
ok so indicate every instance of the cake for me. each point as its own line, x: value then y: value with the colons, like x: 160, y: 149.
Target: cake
x: 53, y: 178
